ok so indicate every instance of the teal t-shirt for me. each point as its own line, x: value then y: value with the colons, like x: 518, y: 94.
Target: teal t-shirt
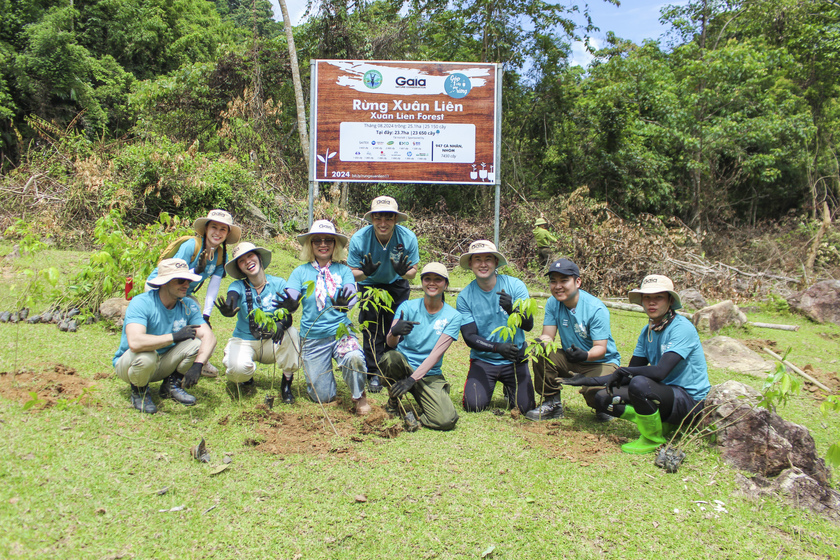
x: 315, y: 323
x: 403, y: 241
x: 266, y: 300
x: 419, y: 343
x: 482, y: 308
x: 588, y: 321
x: 146, y: 309
x: 185, y: 252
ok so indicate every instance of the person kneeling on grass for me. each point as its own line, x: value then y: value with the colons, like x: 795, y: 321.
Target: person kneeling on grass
x: 164, y: 338
x: 583, y: 323
x: 666, y: 380
x: 422, y: 331
x: 251, y: 342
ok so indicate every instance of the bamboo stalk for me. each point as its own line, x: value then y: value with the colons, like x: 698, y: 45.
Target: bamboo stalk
x: 799, y: 371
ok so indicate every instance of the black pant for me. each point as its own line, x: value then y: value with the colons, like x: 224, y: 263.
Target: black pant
x: 379, y: 321
x: 481, y: 381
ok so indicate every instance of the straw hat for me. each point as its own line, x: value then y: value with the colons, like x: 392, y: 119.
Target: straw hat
x: 235, y: 234
x: 480, y: 247
x: 323, y: 227
x: 245, y: 247
x: 170, y: 269
x: 385, y: 204
x: 655, y: 284
x: 435, y: 268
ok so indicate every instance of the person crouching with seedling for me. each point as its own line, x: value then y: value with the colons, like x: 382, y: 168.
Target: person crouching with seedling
x: 263, y: 333
x: 330, y: 292
x: 422, y: 331
x: 485, y: 305
x: 164, y: 338
x: 666, y: 380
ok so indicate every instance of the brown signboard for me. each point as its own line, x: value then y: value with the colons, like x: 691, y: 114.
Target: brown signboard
x: 405, y: 122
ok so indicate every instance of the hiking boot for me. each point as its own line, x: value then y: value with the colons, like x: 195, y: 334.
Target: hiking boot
x: 374, y: 385
x: 209, y: 370
x: 171, y: 389
x: 362, y: 406
x: 4, y: 317
x: 603, y: 417
x: 392, y: 407
x: 247, y: 387
x: 141, y: 399
x: 551, y: 408
x: 410, y: 422
x: 286, y: 389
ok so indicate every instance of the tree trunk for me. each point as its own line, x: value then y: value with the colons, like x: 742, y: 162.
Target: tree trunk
x: 301, y: 108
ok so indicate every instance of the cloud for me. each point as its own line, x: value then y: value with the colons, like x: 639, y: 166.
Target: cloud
x: 580, y: 56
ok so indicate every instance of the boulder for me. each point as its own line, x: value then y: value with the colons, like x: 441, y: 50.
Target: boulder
x: 691, y: 298
x: 114, y: 310
x: 719, y: 315
x: 727, y: 353
x: 757, y: 440
x: 820, y: 302
x: 798, y: 488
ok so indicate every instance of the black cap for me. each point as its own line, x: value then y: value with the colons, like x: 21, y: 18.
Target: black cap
x: 564, y: 267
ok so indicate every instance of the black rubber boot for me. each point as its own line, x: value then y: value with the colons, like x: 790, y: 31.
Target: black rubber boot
x: 141, y: 399
x: 171, y: 389
x: 286, y: 390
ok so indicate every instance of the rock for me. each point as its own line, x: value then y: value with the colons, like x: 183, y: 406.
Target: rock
x: 757, y: 440
x: 114, y: 310
x: 820, y: 302
x: 719, y: 315
x: 692, y: 299
x: 798, y: 488
x: 727, y: 353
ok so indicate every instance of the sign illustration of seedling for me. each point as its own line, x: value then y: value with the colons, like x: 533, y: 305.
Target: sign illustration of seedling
x: 483, y: 172
x: 473, y: 173
x: 327, y: 155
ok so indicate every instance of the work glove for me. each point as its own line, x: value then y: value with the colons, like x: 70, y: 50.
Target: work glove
x: 287, y: 302
x: 342, y: 300
x: 401, y: 266
x: 575, y: 354
x: 187, y: 333
x: 368, y: 267
x: 402, y: 327
x: 277, y: 336
x: 618, y: 378
x: 202, y: 262
x: 207, y: 320
x: 401, y: 387
x: 580, y: 380
x: 508, y: 351
x: 225, y: 309
x: 192, y: 375
x: 506, y: 302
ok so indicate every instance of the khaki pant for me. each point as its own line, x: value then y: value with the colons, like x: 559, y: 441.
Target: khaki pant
x: 241, y: 356
x: 143, y: 368
x: 546, y: 375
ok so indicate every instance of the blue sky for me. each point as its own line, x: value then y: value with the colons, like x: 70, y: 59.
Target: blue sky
x: 636, y: 20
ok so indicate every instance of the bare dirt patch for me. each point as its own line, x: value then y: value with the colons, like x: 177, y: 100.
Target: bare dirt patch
x: 55, y: 383
x: 570, y: 444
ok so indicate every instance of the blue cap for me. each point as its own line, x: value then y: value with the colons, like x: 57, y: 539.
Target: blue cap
x: 564, y: 267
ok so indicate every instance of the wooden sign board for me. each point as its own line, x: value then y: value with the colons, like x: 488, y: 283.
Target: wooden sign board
x: 405, y: 122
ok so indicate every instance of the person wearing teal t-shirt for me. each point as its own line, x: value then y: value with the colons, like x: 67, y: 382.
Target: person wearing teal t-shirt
x: 666, y: 380
x: 422, y: 331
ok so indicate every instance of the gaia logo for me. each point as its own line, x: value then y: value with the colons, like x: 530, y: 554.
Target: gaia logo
x: 372, y: 79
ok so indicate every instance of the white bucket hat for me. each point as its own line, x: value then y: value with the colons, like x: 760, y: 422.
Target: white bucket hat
x: 480, y: 247
x: 235, y: 234
x: 385, y: 204
x: 323, y: 227
x: 435, y: 268
x: 655, y: 284
x: 170, y: 269
x: 245, y: 247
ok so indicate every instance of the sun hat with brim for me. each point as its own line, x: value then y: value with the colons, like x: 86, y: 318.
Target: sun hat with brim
x: 435, y: 268
x: 170, y: 269
x: 540, y: 222
x: 480, y: 247
x: 235, y: 233
x: 385, y: 204
x: 655, y: 284
x: 322, y: 227
x: 245, y: 247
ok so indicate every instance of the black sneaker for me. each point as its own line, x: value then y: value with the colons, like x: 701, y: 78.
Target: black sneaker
x: 142, y: 400
x: 374, y: 385
x: 604, y: 417
x: 550, y: 409
x: 171, y: 389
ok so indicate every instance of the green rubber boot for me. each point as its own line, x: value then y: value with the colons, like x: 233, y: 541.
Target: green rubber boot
x: 650, y: 428
x: 629, y: 413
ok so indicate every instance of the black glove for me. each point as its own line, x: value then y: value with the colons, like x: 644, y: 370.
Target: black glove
x: 401, y: 387
x: 575, y: 354
x: 207, y: 320
x: 508, y: 351
x: 342, y: 300
x: 618, y: 378
x: 225, y: 309
x: 192, y: 375
x: 187, y: 333
x: 579, y: 380
x: 202, y: 262
x: 506, y: 302
x: 402, y: 327
x: 278, y: 332
x: 287, y: 302
x: 401, y: 266
x: 368, y: 267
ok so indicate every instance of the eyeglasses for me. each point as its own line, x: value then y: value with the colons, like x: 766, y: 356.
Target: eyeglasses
x: 323, y: 241
x: 182, y: 281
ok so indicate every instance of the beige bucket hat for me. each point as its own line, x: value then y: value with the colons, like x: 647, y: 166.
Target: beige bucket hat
x: 235, y: 234
x: 170, y: 269
x: 245, y: 247
x: 385, y: 204
x: 323, y: 227
x: 540, y: 222
x: 435, y: 268
x: 479, y: 247
x: 655, y: 284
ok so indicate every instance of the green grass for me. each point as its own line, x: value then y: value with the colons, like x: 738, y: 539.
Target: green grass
x: 83, y: 482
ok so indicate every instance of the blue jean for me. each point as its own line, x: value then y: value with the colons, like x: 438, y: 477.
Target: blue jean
x: 318, y: 354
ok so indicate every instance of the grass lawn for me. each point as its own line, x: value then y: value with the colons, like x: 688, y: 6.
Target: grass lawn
x: 100, y: 480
